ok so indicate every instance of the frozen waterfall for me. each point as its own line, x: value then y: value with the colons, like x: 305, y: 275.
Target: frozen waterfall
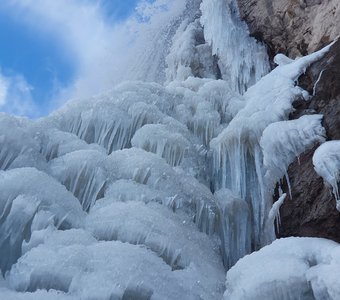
x: 154, y: 189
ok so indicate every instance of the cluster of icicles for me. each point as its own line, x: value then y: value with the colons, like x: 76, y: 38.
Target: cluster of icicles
x: 145, y: 190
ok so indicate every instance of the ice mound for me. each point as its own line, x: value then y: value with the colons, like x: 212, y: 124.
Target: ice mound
x: 18, y: 148
x: 292, y: 268
x: 184, y: 192
x: 159, y: 139
x: 82, y: 173
x: 103, y: 270
x: 24, y: 193
x: 176, y: 241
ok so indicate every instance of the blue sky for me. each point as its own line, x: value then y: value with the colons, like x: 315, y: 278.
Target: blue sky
x: 47, y: 46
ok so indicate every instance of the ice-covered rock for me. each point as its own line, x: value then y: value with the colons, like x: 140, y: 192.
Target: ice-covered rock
x: 282, y: 142
x: 237, y: 154
x: 326, y: 162
x: 292, y: 268
x: 99, y: 200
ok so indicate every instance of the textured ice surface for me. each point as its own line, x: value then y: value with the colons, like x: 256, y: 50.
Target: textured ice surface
x: 88, y: 269
x: 82, y: 173
x: 235, y: 230
x: 184, y: 193
x: 24, y: 192
x: 242, y: 60
x: 292, y: 268
x: 326, y: 162
x: 176, y: 241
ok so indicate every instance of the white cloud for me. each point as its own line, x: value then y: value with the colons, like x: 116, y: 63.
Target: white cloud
x: 3, y: 90
x: 87, y: 37
x: 104, y: 53
x: 16, y: 96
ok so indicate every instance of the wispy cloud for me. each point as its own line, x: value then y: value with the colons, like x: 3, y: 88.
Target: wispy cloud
x: 101, y: 49
x: 81, y: 27
x: 16, y: 97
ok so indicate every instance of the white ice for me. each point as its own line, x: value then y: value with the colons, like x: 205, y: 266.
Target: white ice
x: 326, y: 160
x: 291, y: 268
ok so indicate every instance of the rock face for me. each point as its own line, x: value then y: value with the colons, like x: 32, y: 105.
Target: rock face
x: 297, y: 28
x: 292, y: 27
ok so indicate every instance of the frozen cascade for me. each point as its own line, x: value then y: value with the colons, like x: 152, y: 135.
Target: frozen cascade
x: 238, y: 162
x: 147, y: 189
x: 241, y: 59
x: 235, y: 227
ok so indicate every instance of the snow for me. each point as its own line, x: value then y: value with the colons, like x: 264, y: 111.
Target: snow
x: 292, y: 268
x: 326, y: 160
x: 282, y: 142
x: 88, y: 269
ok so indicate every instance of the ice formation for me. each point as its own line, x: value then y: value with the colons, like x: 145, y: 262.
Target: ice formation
x: 292, y: 268
x: 326, y: 162
x: 154, y: 188
x: 237, y: 154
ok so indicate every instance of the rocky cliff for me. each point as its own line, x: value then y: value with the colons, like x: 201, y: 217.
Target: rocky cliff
x: 295, y: 28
